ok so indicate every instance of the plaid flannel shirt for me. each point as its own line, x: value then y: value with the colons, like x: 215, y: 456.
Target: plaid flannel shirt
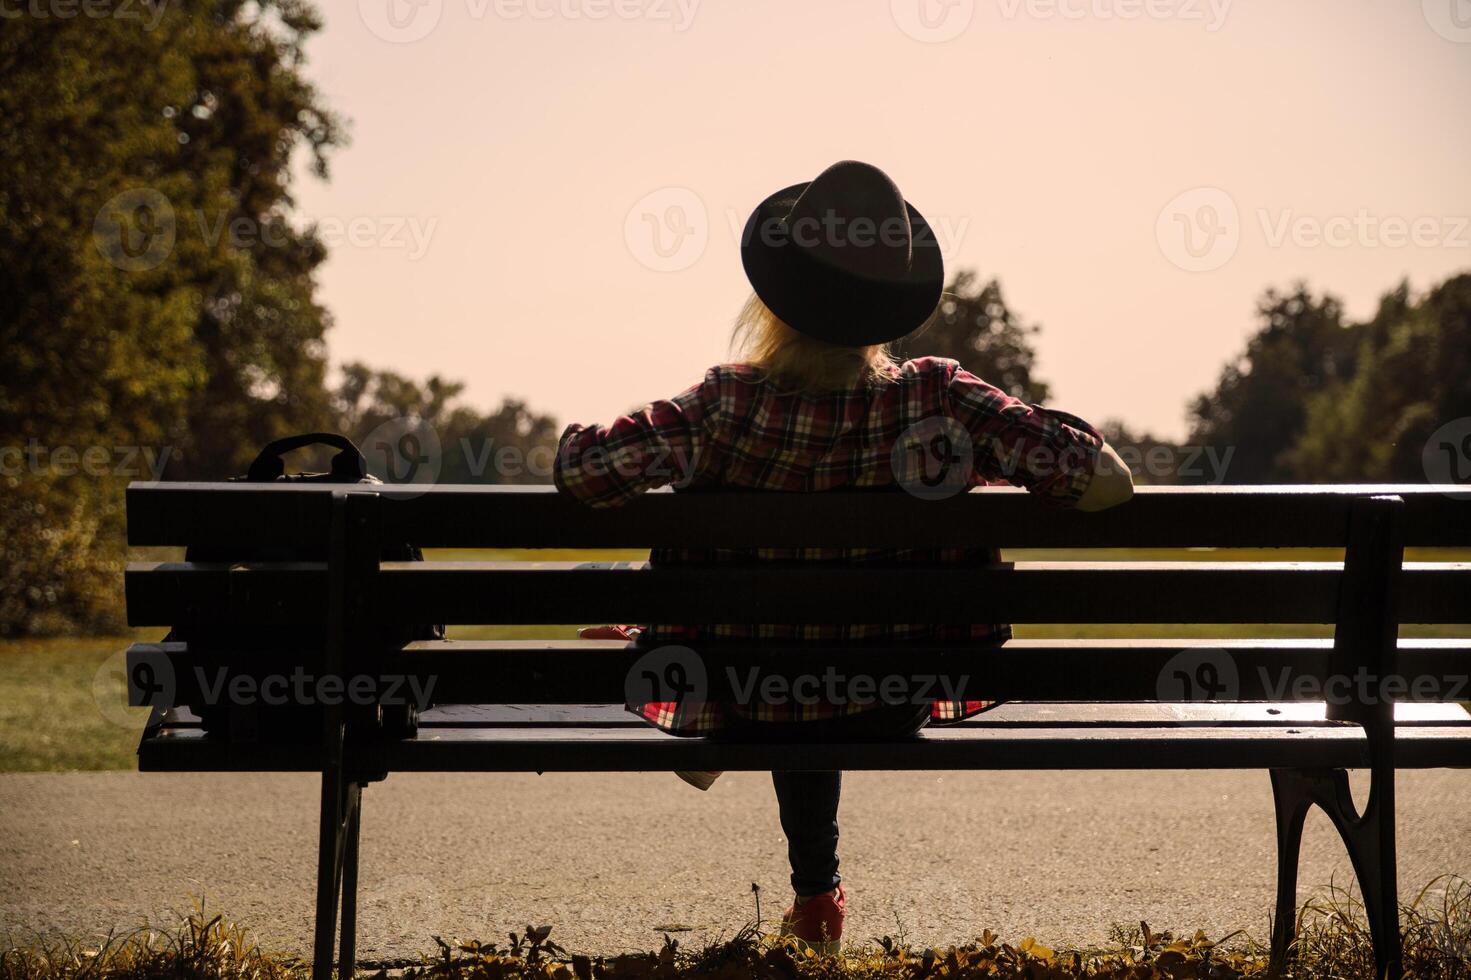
x: 735, y: 430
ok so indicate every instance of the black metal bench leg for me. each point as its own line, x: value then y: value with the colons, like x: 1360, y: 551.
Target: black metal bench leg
x: 353, y: 553
x: 1292, y: 799
x: 1388, y: 949
x: 1369, y: 840
x: 347, y: 958
x: 1371, y: 849
x: 329, y: 871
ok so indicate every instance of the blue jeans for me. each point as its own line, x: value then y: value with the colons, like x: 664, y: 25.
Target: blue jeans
x: 808, y: 800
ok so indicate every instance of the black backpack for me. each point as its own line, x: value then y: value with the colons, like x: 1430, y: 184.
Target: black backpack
x: 262, y: 721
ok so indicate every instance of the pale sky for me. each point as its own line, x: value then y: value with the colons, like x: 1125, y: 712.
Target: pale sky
x: 495, y: 213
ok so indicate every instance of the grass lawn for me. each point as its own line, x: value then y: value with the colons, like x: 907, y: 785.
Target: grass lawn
x: 62, y: 700
x: 62, y: 705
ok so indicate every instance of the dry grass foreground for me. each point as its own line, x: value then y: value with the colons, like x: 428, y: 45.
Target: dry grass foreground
x: 1333, y: 945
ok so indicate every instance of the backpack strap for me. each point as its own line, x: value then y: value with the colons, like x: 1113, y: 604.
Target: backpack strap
x: 348, y: 466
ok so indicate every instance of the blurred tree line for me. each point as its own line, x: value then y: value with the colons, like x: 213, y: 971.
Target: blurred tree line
x: 1314, y: 397
x: 159, y: 318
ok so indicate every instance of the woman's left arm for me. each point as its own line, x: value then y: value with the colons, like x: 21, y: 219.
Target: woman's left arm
x: 664, y: 443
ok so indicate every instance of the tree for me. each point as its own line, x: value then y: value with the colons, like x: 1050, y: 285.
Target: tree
x: 421, y: 433
x: 1413, y: 377
x: 973, y: 325
x: 154, y: 298
x: 260, y: 329
x: 1259, y: 406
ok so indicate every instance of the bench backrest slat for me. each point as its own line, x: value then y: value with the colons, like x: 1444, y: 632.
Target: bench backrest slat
x: 538, y: 517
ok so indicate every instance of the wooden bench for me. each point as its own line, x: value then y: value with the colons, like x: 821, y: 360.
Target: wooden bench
x: 552, y: 705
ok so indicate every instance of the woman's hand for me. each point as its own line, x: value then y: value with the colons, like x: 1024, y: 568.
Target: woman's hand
x: 1111, y: 484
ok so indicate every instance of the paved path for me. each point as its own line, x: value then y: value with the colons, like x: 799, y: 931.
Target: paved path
x: 608, y: 859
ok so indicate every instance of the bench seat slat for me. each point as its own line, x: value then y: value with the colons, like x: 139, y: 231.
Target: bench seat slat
x: 1048, y: 714
x: 1012, y: 714
x: 604, y: 749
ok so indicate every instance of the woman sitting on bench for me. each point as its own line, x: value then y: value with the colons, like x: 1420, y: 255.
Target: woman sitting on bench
x: 841, y: 266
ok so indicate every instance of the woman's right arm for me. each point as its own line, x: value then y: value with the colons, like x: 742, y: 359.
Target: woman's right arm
x: 1053, y: 454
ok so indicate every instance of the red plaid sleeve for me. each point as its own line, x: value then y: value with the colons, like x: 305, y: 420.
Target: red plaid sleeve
x: 1048, y: 452
x: 664, y: 443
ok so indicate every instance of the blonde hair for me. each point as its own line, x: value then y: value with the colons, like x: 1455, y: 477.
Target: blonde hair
x: 797, y: 362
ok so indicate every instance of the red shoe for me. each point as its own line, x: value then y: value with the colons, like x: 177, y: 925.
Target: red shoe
x: 817, y: 922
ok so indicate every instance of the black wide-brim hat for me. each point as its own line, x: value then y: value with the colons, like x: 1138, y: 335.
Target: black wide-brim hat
x: 844, y: 258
